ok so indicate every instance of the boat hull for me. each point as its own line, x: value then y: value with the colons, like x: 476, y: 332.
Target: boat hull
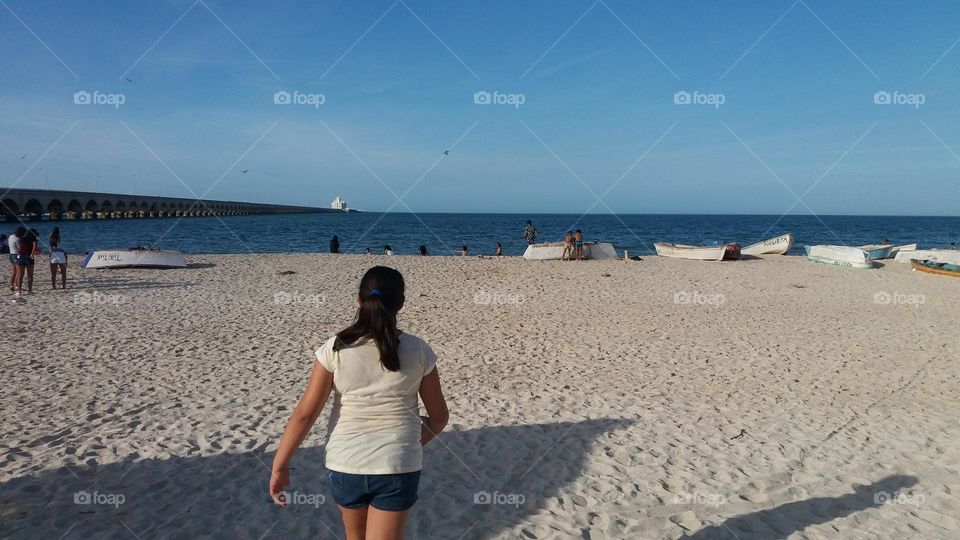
x: 133, y: 258
x: 877, y: 252
x: 950, y: 256
x: 779, y: 245
x: 553, y: 251
x: 694, y: 253
x: 942, y: 269
x: 839, y: 256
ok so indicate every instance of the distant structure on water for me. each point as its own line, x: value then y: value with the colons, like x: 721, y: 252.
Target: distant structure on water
x: 18, y: 204
x: 339, y: 204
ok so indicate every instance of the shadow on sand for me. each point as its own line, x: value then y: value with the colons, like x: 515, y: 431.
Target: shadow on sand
x: 786, y: 519
x: 225, y: 495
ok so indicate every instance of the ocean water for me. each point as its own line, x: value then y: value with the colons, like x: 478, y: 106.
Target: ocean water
x: 444, y: 234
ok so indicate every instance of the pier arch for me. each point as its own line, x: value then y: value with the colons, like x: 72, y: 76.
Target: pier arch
x: 33, y: 208
x: 74, y: 206
x: 106, y: 207
x: 121, y: 206
x: 55, y: 207
x: 10, y: 209
x: 91, y: 206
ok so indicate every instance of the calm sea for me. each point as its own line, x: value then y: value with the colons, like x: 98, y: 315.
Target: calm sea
x: 444, y: 234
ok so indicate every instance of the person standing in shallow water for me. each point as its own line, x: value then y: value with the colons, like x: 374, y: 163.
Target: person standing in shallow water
x: 334, y: 244
x: 374, y: 450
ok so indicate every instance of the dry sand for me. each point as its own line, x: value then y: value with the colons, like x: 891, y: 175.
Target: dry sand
x: 589, y: 400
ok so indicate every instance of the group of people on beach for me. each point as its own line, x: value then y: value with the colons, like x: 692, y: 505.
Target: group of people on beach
x: 23, y: 247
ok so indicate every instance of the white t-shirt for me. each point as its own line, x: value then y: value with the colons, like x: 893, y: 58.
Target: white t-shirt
x: 14, y: 244
x: 375, y: 420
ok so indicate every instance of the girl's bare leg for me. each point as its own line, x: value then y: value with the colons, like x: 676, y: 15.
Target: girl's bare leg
x: 53, y: 275
x: 383, y: 525
x: 355, y: 522
x: 63, y: 275
x: 29, y: 278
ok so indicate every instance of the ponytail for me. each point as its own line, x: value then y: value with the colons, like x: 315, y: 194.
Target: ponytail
x: 381, y: 297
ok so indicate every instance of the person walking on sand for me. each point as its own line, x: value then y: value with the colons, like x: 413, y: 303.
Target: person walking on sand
x: 578, y: 244
x: 13, y: 245
x: 374, y: 449
x: 334, y: 244
x: 30, y: 247
x: 54, y: 239
x: 58, y: 263
x: 530, y: 233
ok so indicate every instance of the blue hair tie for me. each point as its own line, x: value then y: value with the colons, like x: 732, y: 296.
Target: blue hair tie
x: 374, y: 292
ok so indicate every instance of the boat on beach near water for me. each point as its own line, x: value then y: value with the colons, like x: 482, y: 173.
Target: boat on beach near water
x: 137, y: 257
x: 878, y: 251
x: 950, y: 256
x: 553, y: 251
x: 778, y: 245
x: 842, y: 256
x: 696, y: 253
x: 905, y: 247
x: 930, y: 267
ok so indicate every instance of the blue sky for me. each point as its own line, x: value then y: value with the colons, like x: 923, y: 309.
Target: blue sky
x: 597, y: 82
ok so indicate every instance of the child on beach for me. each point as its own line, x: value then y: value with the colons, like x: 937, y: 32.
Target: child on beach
x: 499, y: 250
x: 578, y: 244
x: 463, y: 251
x: 567, y: 246
x: 374, y: 451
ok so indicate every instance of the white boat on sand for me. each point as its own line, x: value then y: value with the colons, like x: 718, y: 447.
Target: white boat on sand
x: 779, y: 245
x: 134, y: 258
x: 949, y: 256
x: 842, y: 256
x: 696, y: 253
x: 553, y: 251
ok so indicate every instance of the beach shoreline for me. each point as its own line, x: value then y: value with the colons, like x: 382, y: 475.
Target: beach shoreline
x: 612, y: 399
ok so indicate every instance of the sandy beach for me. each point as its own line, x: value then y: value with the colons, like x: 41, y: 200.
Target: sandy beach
x: 763, y: 398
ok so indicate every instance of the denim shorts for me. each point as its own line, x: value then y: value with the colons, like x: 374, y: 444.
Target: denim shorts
x: 389, y: 492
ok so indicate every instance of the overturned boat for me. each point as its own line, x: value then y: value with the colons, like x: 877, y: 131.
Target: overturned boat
x: 553, y: 251
x: 136, y: 257
x: 778, y: 245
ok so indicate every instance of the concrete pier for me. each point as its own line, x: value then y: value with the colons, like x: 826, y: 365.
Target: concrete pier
x: 35, y: 204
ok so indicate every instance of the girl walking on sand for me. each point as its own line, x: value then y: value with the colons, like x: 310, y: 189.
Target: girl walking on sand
x: 374, y: 451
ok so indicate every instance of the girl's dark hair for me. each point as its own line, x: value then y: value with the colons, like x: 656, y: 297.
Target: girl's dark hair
x: 381, y: 297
